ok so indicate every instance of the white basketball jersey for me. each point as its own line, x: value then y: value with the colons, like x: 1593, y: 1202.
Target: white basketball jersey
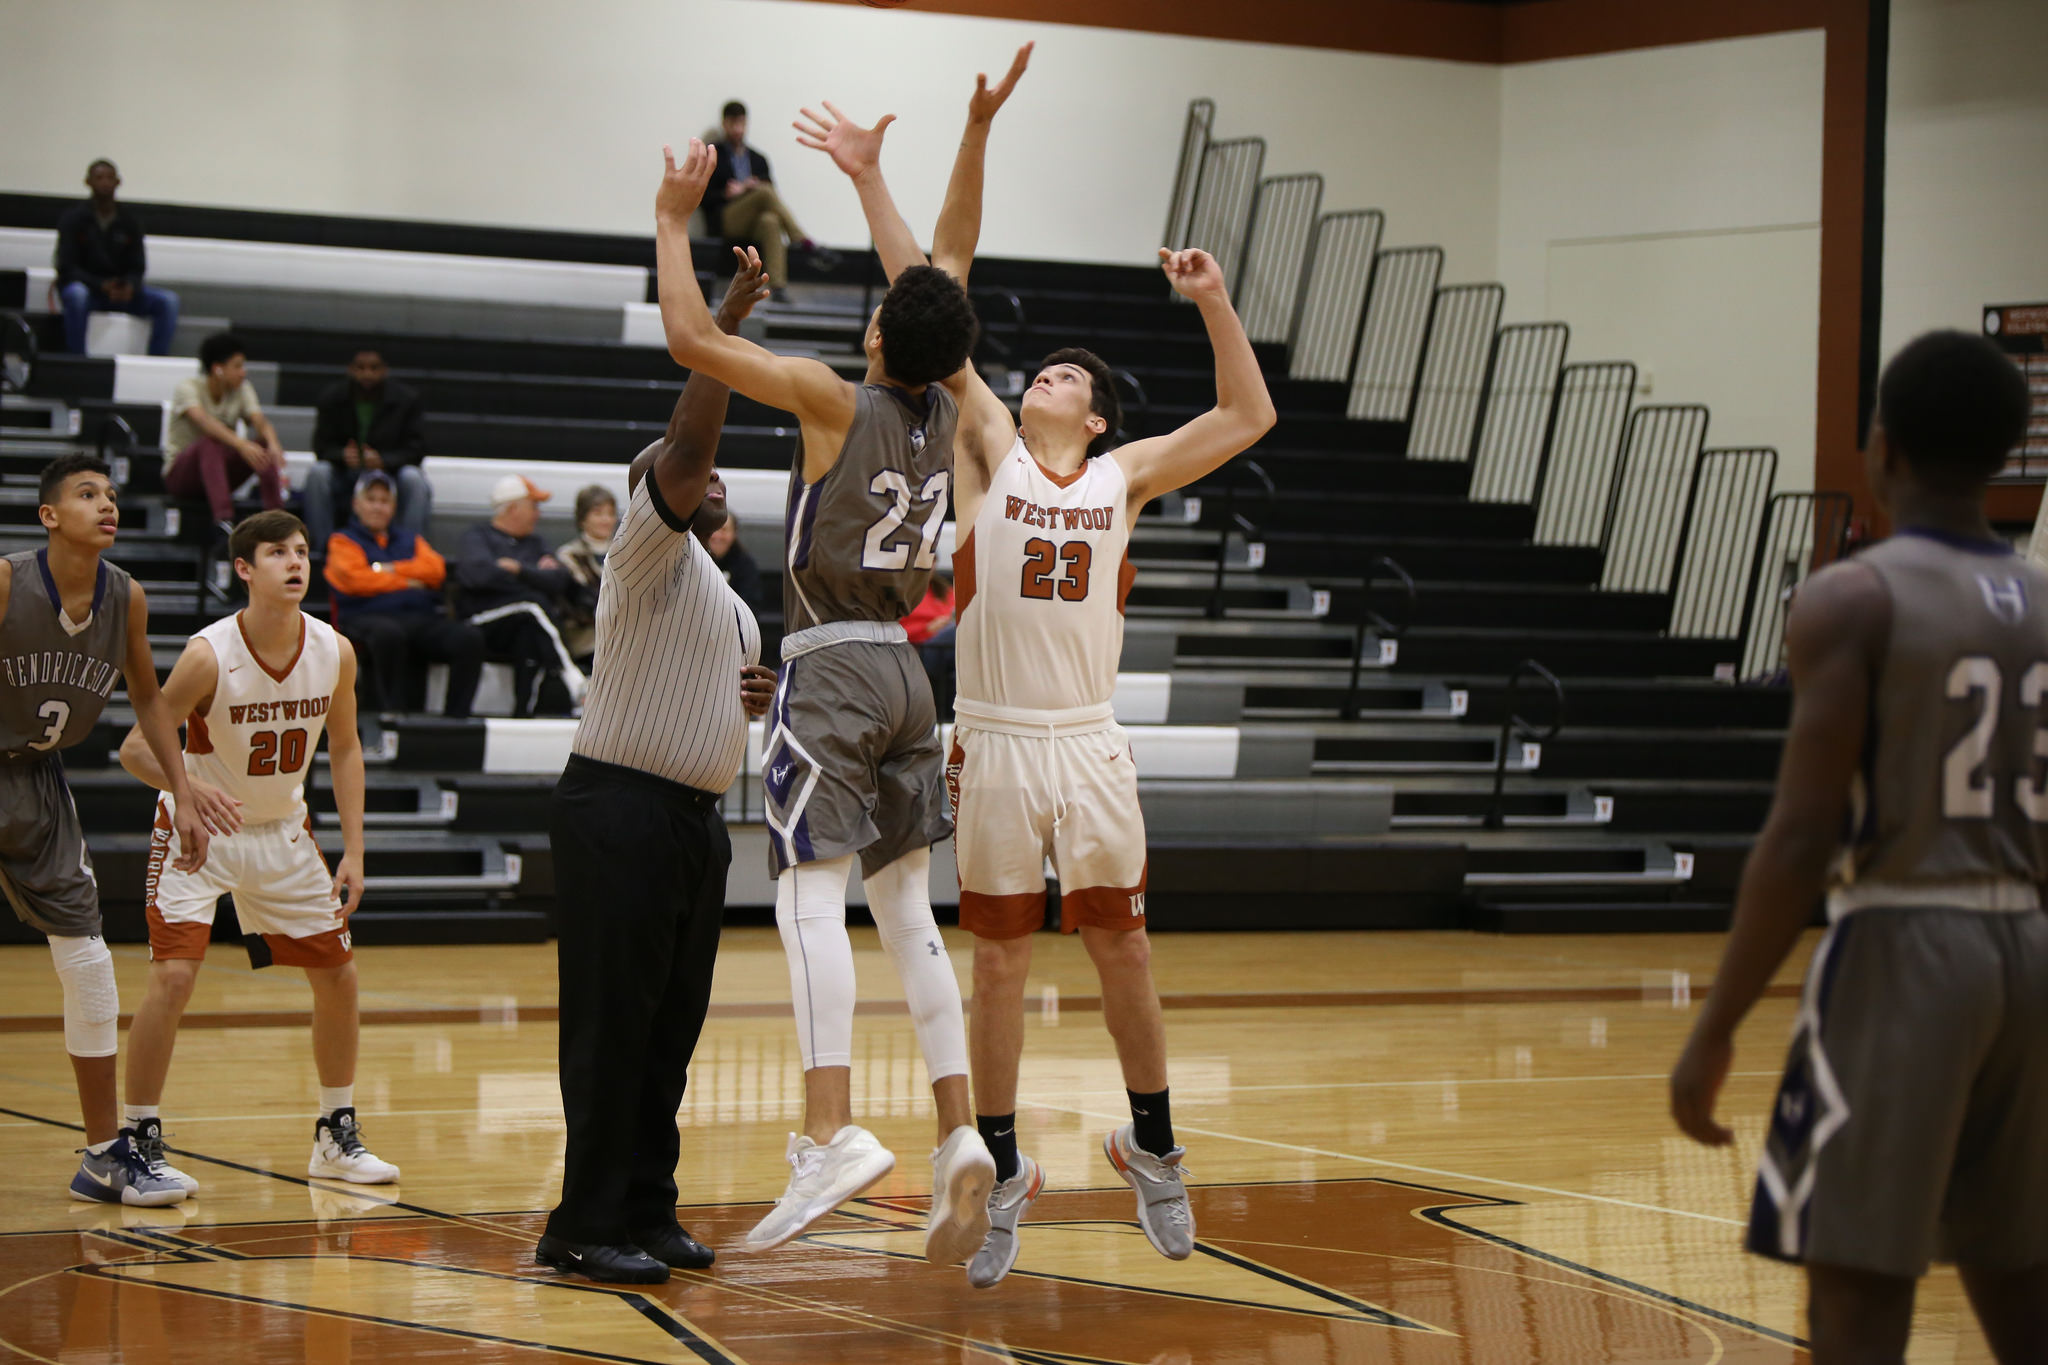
x: 1040, y: 584
x: 256, y: 740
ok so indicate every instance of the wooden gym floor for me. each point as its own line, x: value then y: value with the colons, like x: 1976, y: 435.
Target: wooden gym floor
x: 1403, y: 1147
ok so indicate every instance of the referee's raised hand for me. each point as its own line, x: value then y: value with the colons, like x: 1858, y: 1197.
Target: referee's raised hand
x: 749, y: 286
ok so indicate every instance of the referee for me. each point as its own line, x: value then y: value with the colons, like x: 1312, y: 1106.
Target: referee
x: 640, y: 849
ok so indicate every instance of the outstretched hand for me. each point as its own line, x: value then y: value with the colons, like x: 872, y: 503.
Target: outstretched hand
x: 749, y: 286
x: 853, y: 149
x: 1696, y: 1084
x: 682, y: 187
x: 982, y: 107
x: 1193, y: 273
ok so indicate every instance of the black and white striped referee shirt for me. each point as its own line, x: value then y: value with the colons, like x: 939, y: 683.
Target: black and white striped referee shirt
x: 671, y: 639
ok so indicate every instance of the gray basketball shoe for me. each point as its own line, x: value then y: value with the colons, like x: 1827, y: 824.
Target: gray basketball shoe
x: 1162, y: 1197
x: 1007, y: 1204
x: 119, y: 1176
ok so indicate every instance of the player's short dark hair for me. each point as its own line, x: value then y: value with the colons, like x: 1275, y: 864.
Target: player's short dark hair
x: 62, y: 468
x: 1954, y: 406
x: 102, y: 161
x: 219, y: 349
x: 733, y: 109
x: 928, y: 327
x: 1105, y: 403
x: 274, y: 527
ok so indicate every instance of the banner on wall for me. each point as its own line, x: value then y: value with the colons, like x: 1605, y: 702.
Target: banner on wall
x: 2021, y: 330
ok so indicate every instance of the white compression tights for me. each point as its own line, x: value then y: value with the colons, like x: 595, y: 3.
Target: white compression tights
x: 810, y: 910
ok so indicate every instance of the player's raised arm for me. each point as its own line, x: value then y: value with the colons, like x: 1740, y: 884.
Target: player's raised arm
x: 345, y: 770
x: 1835, y: 641
x: 1243, y: 411
x: 821, y: 399
x: 858, y: 152
x: 959, y: 229
x: 158, y: 724
x: 682, y: 467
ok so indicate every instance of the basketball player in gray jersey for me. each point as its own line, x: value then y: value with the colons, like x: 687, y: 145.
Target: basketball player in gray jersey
x: 71, y: 626
x: 1912, y: 1122
x: 852, y: 762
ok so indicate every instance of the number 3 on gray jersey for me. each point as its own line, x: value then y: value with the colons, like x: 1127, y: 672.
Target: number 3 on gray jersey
x: 58, y: 713
x: 876, y: 552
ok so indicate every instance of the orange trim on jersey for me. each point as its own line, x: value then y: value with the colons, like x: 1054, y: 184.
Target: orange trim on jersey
x: 331, y: 949
x: 185, y: 939
x: 250, y: 645
x: 1058, y: 480
x: 987, y: 916
x: 963, y: 575
x: 1126, y: 575
x: 1099, y: 907
x: 198, y: 739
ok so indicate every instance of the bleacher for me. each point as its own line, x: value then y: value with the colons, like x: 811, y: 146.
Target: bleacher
x: 1464, y: 641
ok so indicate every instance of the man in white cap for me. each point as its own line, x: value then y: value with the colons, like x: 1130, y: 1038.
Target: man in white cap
x: 510, y: 585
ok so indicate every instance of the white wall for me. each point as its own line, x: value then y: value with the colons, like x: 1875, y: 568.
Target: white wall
x: 1966, y: 171
x: 1666, y: 204
x: 532, y: 113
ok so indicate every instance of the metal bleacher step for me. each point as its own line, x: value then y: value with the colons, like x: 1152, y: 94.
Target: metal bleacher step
x: 1439, y: 805
x: 1563, y: 863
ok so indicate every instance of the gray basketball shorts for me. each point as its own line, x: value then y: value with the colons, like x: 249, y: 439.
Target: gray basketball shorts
x: 1912, y: 1122
x: 45, y: 871
x: 852, y: 761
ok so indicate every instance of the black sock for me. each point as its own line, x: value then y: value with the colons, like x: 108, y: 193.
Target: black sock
x: 1152, y: 1122
x: 999, y: 1131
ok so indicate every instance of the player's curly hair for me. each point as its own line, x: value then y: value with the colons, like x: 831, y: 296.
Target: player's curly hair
x: 1954, y: 406
x: 928, y: 327
x: 1105, y: 404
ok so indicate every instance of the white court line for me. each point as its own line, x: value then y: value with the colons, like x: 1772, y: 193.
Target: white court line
x: 1187, y: 1095
x: 1406, y: 1166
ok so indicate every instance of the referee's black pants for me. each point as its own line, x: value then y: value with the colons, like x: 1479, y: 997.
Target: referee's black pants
x: 640, y: 867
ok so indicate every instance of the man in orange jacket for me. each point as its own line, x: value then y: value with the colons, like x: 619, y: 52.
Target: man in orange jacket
x: 386, y: 590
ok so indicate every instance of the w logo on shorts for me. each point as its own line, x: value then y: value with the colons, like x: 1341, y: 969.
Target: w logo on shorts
x: 1138, y: 904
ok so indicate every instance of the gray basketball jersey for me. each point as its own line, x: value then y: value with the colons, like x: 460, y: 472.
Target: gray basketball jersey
x: 53, y: 682
x: 863, y: 539
x: 1953, y: 788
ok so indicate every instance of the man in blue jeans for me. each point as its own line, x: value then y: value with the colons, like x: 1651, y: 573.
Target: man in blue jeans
x: 100, y: 264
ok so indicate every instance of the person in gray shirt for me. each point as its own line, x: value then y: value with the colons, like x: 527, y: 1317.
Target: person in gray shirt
x: 1912, y: 1121
x: 852, y: 767
x: 71, y: 627
x: 510, y: 585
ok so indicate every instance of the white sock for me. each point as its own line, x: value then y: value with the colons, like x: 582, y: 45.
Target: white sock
x: 100, y: 1148
x: 333, y: 1097
x: 810, y: 910
x: 900, y: 899
x: 132, y: 1115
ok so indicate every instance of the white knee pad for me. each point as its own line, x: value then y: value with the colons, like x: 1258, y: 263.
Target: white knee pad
x: 810, y: 910
x: 900, y: 899
x: 92, y: 1003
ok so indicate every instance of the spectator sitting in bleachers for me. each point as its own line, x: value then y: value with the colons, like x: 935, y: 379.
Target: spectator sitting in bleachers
x: 211, y: 459
x: 368, y: 421
x: 741, y: 198
x: 597, y: 516
x: 930, y: 627
x: 386, y: 591
x: 739, y: 568
x: 101, y: 262
x: 510, y: 584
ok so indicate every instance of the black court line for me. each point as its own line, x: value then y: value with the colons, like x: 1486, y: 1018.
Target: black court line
x: 654, y: 1312
x: 1441, y: 1218
x: 435, y: 1329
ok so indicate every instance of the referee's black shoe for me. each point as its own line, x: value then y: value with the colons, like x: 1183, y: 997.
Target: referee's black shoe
x: 673, y: 1245
x: 611, y: 1265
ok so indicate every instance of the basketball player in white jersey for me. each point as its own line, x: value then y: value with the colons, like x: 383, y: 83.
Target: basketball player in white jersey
x: 1039, y: 766
x: 256, y: 689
